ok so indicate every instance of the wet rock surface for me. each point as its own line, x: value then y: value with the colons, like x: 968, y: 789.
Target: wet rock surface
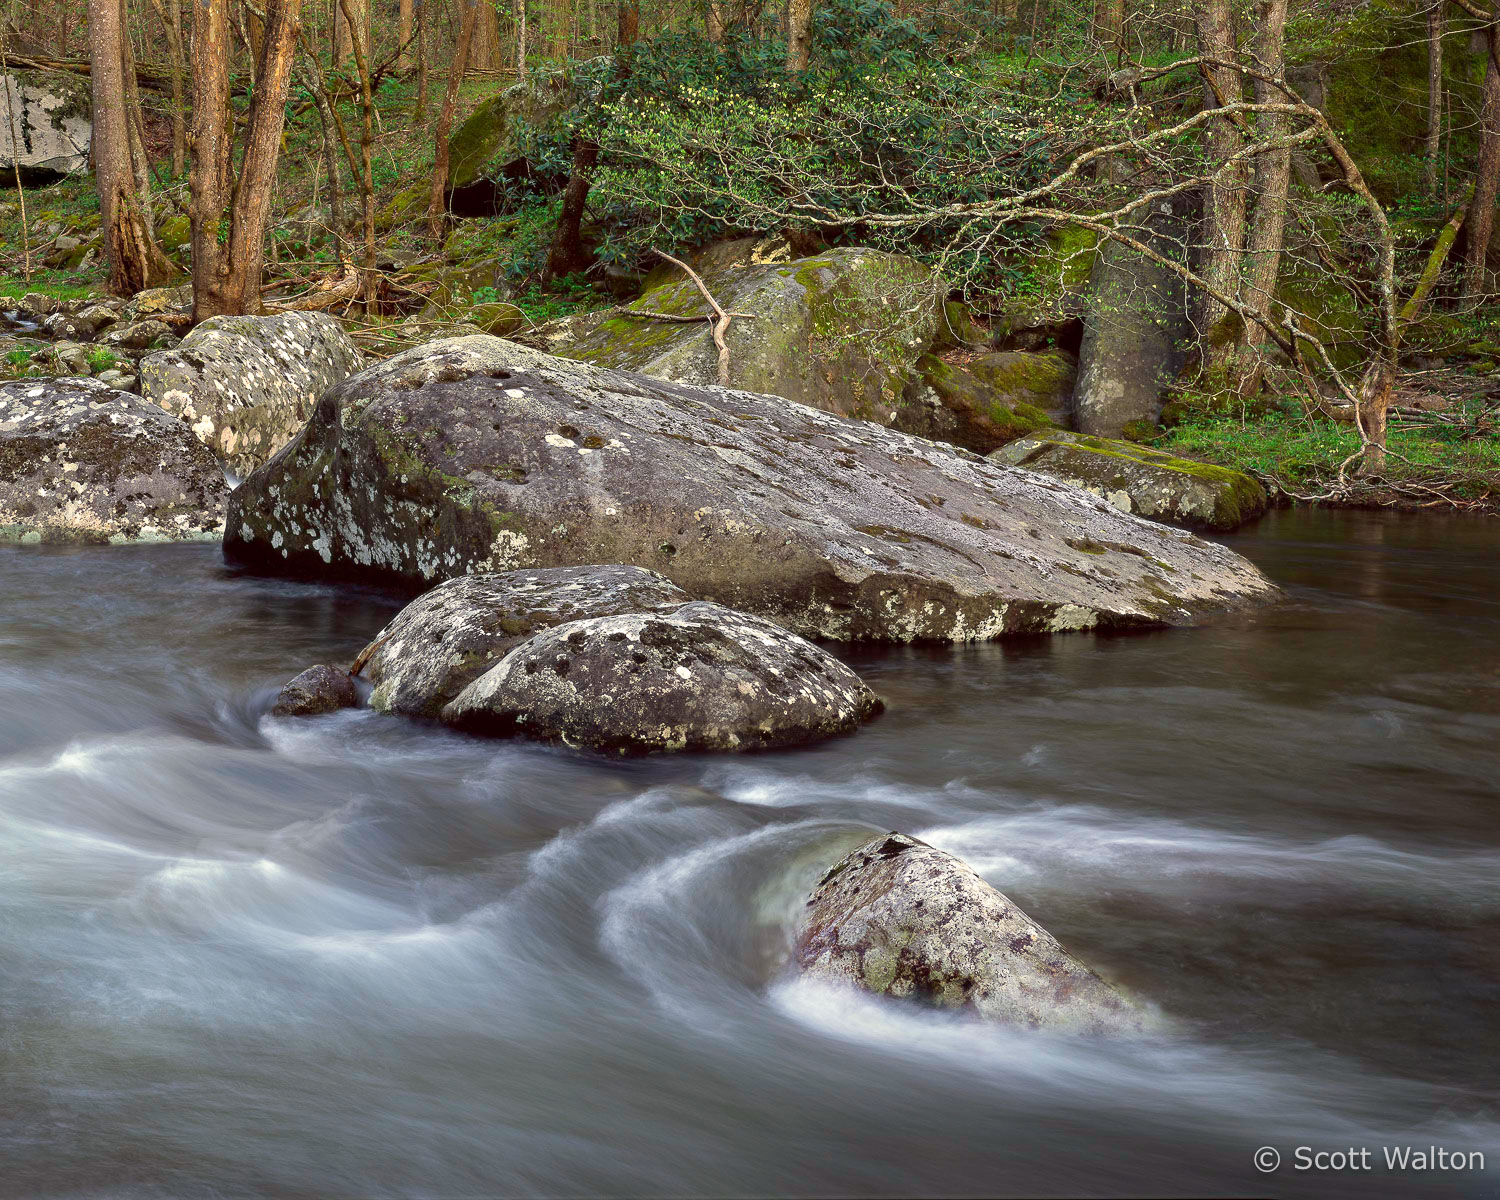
x: 444, y: 640
x: 1139, y: 479
x: 702, y: 677
x: 900, y: 918
x: 480, y: 455
x: 246, y: 385
x: 320, y: 689
x: 83, y: 463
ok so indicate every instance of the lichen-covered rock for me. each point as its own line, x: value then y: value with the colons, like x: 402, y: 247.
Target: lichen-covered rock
x: 320, y: 689
x: 481, y: 455
x: 246, y: 385
x: 994, y: 399
x: 841, y: 331
x: 1132, y: 336
x: 1139, y: 479
x: 445, y: 639
x: 45, y: 126
x: 898, y: 917
x: 83, y: 463
x: 138, y: 335
x: 703, y: 677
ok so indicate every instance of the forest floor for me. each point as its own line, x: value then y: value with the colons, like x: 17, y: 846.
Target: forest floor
x: 1444, y: 441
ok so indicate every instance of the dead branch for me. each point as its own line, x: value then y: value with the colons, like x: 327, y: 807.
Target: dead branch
x: 721, y: 316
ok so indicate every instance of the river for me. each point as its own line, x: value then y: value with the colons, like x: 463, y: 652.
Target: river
x: 355, y: 956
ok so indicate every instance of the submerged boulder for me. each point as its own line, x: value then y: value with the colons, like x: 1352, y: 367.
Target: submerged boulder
x: 841, y: 331
x: 246, y: 385
x: 320, y: 689
x: 702, y: 677
x: 442, y: 641
x: 83, y: 463
x: 480, y: 455
x: 898, y: 917
x: 1139, y: 479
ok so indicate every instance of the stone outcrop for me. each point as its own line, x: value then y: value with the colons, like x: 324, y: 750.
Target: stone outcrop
x: 996, y: 397
x: 841, y: 331
x: 445, y: 639
x: 1138, y: 479
x: 317, y: 690
x: 46, y: 125
x: 495, y: 133
x: 897, y: 917
x: 1132, y: 336
x: 480, y: 455
x: 702, y: 677
x: 83, y: 463
x: 246, y: 385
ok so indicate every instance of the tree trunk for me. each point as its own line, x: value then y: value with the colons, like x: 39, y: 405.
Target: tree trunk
x: 484, y: 50
x: 419, y: 108
x: 437, y: 205
x: 1273, y: 170
x: 366, y: 158
x: 714, y: 21
x: 629, y: 23
x: 798, y: 34
x: 135, y: 260
x: 1108, y: 26
x: 1486, y: 176
x: 227, y: 263
x: 1224, y: 233
x: 349, y: 22
x: 1436, y: 26
x: 405, y: 26
x: 567, y: 254
x: 521, y: 40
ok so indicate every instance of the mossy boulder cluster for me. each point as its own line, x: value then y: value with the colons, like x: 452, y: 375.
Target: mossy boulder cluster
x: 1138, y: 479
x: 246, y: 385
x: 897, y: 917
x: 478, y: 455
x: 84, y: 464
x: 841, y: 331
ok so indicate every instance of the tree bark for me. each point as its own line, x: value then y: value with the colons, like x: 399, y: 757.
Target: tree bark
x: 135, y: 260
x: 798, y: 34
x: 1273, y: 170
x: 1486, y: 175
x: 405, y: 26
x: 366, y: 158
x: 1108, y: 25
x: 1436, y: 27
x: 521, y: 40
x: 484, y: 50
x: 629, y: 23
x: 437, y: 205
x: 229, y: 218
x: 567, y: 254
x: 347, y: 27
x: 714, y: 21
x: 1224, y: 234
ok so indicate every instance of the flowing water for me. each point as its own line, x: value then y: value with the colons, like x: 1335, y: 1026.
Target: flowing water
x: 355, y: 956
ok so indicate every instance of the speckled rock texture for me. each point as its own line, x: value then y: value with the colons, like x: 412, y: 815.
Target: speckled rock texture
x: 480, y: 455
x: 841, y: 331
x: 320, y: 689
x: 442, y: 641
x: 1139, y: 479
x: 82, y: 463
x: 247, y: 384
x: 703, y: 677
x: 45, y: 126
x: 898, y: 917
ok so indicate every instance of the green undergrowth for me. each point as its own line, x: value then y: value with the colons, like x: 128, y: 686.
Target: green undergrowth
x: 1303, y: 455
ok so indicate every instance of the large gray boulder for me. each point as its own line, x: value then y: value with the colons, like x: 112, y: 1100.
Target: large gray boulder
x: 1140, y: 479
x: 996, y: 397
x: 495, y: 133
x: 900, y: 918
x: 445, y: 639
x: 83, y: 463
x: 246, y: 385
x: 1134, y: 332
x: 841, y: 331
x: 317, y: 690
x: 46, y: 125
x: 480, y: 455
x: 702, y: 677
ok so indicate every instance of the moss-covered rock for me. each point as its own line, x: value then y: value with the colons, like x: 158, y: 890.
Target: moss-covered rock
x: 997, y: 398
x: 45, y: 126
x: 1142, y: 480
x: 957, y: 329
x: 841, y: 331
x: 494, y: 132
